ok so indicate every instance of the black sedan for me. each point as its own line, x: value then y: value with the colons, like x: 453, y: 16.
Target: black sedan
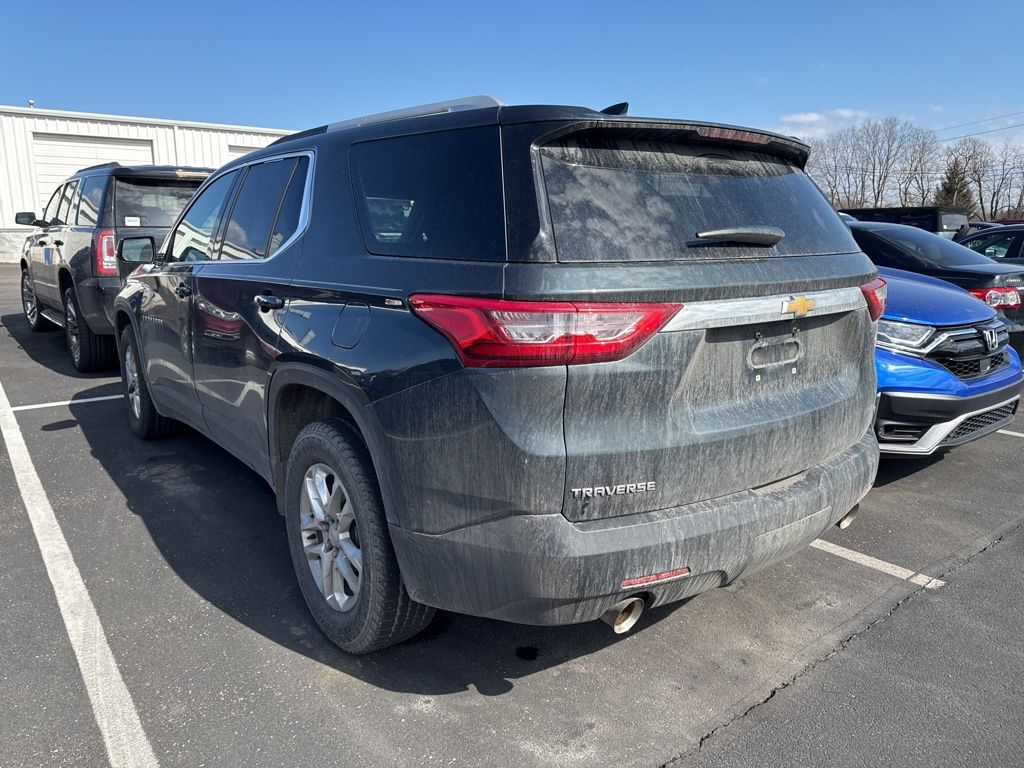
x: 914, y: 250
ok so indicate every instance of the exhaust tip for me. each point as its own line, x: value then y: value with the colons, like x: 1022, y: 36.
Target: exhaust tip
x: 622, y: 616
x: 845, y: 520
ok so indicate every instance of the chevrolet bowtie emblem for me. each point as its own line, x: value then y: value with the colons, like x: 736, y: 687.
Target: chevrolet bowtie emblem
x: 798, y: 306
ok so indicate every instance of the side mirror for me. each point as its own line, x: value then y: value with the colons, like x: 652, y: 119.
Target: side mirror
x: 27, y: 219
x: 136, y: 250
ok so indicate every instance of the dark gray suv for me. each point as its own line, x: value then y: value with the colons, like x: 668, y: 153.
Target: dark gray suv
x: 536, y: 363
x: 70, y: 272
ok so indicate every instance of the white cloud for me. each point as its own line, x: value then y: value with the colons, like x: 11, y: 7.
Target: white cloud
x: 936, y: 109
x: 810, y: 125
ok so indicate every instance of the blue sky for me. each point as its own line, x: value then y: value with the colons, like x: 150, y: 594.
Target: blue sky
x: 799, y: 67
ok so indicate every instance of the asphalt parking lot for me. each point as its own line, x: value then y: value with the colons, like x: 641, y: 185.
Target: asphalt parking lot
x: 895, y: 640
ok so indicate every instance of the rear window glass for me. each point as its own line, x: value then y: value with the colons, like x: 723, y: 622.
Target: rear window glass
x: 632, y: 200
x: 141, y: 202
x: 912, y: 249
x: 435, y: 195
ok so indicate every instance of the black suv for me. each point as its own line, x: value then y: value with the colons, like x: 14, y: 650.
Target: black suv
x: 536, y: 363
x: 69, y: 269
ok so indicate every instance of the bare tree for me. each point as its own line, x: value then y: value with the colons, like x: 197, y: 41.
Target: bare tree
x: 920, y: 166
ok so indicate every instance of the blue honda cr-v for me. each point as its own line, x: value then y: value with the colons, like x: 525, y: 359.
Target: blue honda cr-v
x: 946, y: 374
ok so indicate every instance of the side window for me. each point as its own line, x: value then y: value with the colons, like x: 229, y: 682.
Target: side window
x: 65, y: 202
x: 51, y: 207
x: 92, y: 198
x: 73, y: 213
x: 995, y: 246
x: 191, y: 238
x: 252, y: 217
x: 291, y: 208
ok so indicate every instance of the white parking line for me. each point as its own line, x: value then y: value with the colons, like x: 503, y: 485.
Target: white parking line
x: 116, y: 716
x: 65, y: 402
x: 898, y: 571
x: 1011, y: 432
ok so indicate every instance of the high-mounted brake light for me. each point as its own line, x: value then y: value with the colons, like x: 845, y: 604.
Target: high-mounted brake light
x: 494, y: 333
x: 998, y: 296
x: 875, y: 293
x: 105, y: 252
x: 732, y: 134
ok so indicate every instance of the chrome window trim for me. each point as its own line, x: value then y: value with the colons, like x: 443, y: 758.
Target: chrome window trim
x: 762, y: 309
x: 304, y: 209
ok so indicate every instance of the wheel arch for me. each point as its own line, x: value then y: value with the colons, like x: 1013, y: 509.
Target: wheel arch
x: 300, y: 393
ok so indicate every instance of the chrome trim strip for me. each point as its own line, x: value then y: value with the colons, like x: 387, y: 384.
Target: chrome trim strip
x: 931, y: 440
x: 942, y: 337
x: 930, y: 396
x: 762, y: 309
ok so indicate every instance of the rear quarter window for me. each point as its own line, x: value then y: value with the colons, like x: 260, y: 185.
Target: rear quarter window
x: 436, y: 196
x: 617, y: 200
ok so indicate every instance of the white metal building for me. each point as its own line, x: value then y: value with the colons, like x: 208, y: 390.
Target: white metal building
x: 39, y: 148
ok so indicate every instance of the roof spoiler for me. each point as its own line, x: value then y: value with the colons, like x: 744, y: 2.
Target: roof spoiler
x: 712, y: 133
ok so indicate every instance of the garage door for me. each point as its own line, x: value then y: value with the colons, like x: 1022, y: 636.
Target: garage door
x: 57, y: 157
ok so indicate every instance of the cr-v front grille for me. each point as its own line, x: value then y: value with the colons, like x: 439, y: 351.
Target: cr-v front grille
x: 973, y: 350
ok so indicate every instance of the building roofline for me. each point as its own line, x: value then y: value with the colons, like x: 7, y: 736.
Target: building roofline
x: 37, y: 112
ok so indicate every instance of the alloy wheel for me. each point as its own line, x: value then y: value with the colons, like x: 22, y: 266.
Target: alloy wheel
x: 28, y: 298
x: 131, y: 381
x: 71, y: 328
x: 328, y: 526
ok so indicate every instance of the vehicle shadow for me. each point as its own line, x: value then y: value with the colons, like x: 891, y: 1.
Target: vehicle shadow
x: 216, y: 524
x: 48, y: 349
x: 894, y: 468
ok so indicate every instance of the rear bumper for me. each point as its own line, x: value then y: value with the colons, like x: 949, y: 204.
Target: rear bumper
x: 544, y: 569
x: 945, y: 421
x: 96, y: 302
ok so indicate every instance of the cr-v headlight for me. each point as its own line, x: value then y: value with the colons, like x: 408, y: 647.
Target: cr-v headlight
x: 903, y: 337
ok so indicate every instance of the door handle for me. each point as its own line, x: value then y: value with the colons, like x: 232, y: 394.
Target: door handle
x: 41, y: 242
x: 267, y: 302
x: 183, y: 290
x: 58, y: 243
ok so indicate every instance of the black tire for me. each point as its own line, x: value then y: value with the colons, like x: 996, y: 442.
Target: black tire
x: 30, y: 306
x: 147, y: 423
x: 90, y: 352
x: 383, y: 613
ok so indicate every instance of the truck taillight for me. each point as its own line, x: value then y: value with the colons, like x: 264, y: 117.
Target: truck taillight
x: 494, y: 333
x: 105, y: 251
x: 998, y: 296
x: 875, y: 293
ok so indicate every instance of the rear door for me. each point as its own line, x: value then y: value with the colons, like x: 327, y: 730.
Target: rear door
x: 764, y: 372
x: 240, y: 301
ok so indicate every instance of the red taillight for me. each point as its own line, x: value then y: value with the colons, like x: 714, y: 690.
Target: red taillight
x: 106, y: 252
x: 998, y: 296
x: 496, y: 333
x: 875, y: 293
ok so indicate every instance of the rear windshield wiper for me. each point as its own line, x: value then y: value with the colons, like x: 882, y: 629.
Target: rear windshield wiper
x: 761, y: 236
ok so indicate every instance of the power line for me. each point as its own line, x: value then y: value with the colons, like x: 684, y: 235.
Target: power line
x: 978, y: 122
x: 979, y: 133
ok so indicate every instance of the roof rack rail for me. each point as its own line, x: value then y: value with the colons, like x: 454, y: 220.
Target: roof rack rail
x: 114, y: 164
x: 423, y: 110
